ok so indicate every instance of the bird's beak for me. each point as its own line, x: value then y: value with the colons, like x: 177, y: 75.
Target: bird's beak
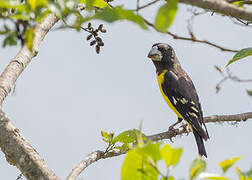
x: 155, y: 54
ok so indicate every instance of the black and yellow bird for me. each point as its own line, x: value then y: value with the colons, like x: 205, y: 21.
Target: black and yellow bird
x: 179, y: 92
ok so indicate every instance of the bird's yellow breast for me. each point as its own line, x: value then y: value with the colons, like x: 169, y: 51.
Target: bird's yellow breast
x: 160, y: 78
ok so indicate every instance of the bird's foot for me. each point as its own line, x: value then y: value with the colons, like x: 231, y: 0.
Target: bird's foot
x: 186, y: 128
x: 177, y: 122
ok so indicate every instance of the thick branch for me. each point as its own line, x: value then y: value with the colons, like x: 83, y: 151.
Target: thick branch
x: 20, y: 153
x: 222, y: 7
x: 17, y: 150
x: 23, y: 58
x: 229, y: 118
x: 97, y: 155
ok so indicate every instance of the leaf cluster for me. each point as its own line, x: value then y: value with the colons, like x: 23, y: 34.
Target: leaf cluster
x: 124, y: 141
x: 143, y: 160
x: 21, y: 16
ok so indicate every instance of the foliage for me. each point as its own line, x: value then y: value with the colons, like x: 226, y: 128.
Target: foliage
x: 198, y: 166
x: 249, y: 92
x: 123, y: 141
x: 225, y: 165
x: 20, y: 17
x: 166, y: 15
x: 143, y: 159
x: 240, y: 55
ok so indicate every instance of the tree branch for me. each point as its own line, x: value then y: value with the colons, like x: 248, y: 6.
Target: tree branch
x: 17, y: 150
x: 222, y: 7
x: 228, y: 118
x: 24, y: 56
x: 97, y: 155
x: 20, y: 153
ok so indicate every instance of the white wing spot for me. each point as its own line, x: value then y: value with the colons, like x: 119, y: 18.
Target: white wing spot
x: 193, y: 114
x: 193, y: 108
x: 183, y: 101
x: 174, y: 100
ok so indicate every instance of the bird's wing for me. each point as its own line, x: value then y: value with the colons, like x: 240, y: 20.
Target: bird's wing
x: 183, y: 96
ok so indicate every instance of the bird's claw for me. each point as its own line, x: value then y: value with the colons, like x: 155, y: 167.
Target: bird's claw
x: 171, y: 140
x: 186, y: 128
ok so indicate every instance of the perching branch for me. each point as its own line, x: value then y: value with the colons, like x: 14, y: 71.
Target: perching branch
x: 17, y: 150
x: 97, y: 155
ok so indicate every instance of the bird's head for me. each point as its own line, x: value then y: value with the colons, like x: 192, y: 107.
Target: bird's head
x: 162, y: 53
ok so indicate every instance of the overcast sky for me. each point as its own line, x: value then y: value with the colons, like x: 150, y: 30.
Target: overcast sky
x: 68, y: 94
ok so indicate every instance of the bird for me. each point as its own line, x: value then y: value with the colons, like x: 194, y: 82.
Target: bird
x: 179, y: 92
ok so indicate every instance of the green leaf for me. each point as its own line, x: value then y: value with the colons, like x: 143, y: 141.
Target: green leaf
x: 10, y: 40
x: 118, y: 13
x: 105, y: 135
x: 238, y: 3
x: 124, y: 147
x: 171, y: 155
x: 6, y: 30
x: 36, y: 3
x: 136, y: 166
x: 241, y: 54
x: 197, y: 166
x: 166, y: 15
x: 13, y: 5
x: 42, y: 15
x: 29, y: 36
x: 20, y: 17
x: 225, y: 165
x: 89, y: 3
x: 249, y: 91
x: 151, y: 150
x: 96, y: 3
x: 128, y: 136
x: 241, y: 177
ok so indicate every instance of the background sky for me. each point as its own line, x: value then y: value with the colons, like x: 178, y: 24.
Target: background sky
x: 68, y: 94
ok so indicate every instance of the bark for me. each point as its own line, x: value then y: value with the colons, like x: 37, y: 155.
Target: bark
x: 222, y: 7
x: 20, y: 153
x: 24, y: 57
x: 17, y: 150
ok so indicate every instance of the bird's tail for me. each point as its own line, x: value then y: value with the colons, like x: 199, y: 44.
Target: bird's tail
x: 200, y: 144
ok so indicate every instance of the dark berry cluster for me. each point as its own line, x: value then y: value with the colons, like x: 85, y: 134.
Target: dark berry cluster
x: 94, y: 34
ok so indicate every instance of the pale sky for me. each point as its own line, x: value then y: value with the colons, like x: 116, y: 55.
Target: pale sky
x: 68, y: 94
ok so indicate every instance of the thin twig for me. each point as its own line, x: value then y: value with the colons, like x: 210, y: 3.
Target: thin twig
x: 137, y: 6
x: 145, y: 6
x: 191, y: 39
x: 228, y: 76
x: 243, y: 24
x: 97, y: 155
